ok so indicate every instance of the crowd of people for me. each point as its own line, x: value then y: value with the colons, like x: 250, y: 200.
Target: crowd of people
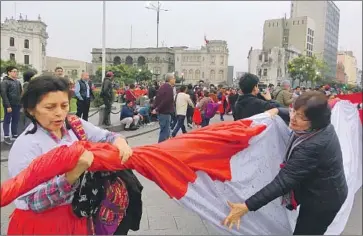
x: 312, y: 174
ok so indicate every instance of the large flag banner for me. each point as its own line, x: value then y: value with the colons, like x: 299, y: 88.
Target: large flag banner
x: 204, y: 168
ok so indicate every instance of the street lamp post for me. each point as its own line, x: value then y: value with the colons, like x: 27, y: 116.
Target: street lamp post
x: 104, y: 41
x: 157, y: 9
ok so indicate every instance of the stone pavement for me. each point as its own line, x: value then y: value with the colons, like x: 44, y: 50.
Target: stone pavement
x: 163, y: 216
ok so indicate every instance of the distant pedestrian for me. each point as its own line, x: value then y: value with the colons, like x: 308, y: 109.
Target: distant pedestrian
x: 84, y: 95
x: 164, y: 106
x: 108, y: 97
x: 11, y: 91
x: 182, y: 101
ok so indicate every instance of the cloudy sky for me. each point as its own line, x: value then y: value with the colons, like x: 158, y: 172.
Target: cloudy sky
x: 75, y: 28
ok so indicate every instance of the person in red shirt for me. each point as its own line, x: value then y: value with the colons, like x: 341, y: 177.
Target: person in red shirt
x: 130, y: 95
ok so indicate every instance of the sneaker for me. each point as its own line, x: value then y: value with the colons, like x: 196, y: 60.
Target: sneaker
x: 15, y: 137
x: 131, y: 128
x: 8, y: 140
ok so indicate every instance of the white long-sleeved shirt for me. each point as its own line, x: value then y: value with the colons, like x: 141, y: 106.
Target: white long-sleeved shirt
x: 181, y: 103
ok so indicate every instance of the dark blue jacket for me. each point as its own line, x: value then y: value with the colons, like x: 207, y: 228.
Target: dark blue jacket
x: 126, y: 112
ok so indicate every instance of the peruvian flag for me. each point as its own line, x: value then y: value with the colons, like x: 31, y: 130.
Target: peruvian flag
x: 204, y: 168
x: 206, y: 40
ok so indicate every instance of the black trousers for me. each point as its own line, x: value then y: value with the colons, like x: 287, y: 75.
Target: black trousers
x: 314, y: 221
x: 108, y: 106
x: 83, y: 108
x: 190, y: 112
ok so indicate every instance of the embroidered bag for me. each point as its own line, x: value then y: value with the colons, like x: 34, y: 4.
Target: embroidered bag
x: 102, y: 196
x: 113, y: 207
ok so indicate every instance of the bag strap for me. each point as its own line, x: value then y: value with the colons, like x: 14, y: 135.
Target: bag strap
x: 77, y: 127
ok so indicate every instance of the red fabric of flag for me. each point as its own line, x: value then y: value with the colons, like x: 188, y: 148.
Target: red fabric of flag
x: 171, y: 164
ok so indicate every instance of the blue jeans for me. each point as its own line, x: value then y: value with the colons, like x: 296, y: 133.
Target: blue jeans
x: 205, y: 121
x: 13, y: 118
x: 164, y: 123
x: 179, y: 124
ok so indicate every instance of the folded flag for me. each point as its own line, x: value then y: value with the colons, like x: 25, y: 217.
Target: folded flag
x: 204, y: 168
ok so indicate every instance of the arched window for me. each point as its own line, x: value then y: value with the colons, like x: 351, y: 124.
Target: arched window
x: 117, y: 60
x: 12, y: 42
x: 141, y: 61
x: 26, y: 43
x: 190, y: 74
x: 220, y: 75
x: 129, y: 60
x: 212, y: 75
x: 197, y: 74
x: 184, y: 74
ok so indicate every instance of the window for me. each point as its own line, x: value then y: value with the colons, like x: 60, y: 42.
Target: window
x: 220, y: 75
x: 222, y: 60
x: 26, y: 60
x: 12, y: 42
x: 302, y: 22
x: 43, y: 47
x: 264, y: 72
x: 293, y: 22
x: 269, y: 24
x: 260, y: 57
x: 197, y: 74
x: 266, y: 57
x: 212, y: 74
x: 190, y: 74
x: 212, y: 60
x: 26, y: 43
x: 298, y: 22
x: 259, y: 72
x: 12, y: 57
x: 277, y: 24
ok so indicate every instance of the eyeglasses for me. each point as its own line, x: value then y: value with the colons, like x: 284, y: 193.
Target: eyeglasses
x: 298, y: 116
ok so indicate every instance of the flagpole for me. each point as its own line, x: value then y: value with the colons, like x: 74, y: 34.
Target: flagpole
x: 104, y: 41
x: 131, y: 37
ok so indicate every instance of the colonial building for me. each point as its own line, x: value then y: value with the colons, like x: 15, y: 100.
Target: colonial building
x: 209, y: 63
x: 271, y: 65
x: 71, y: 68
x: 158, y: 60
x: 24, y: 41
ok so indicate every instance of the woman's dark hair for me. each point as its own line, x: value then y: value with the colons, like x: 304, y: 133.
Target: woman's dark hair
x: 247, y: 82
x: 206, y: 94
x: 37, y: 88
x: 183, y: 88
x: 132, y: 86
x: 316, y: 109
x: 27, y: 75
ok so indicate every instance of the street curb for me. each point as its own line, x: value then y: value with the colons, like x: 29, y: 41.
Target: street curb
x: 126, y: 137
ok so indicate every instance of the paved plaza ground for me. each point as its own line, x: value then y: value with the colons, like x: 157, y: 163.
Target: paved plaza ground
x: 163, y: 216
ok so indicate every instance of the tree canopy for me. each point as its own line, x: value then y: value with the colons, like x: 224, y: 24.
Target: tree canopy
x: 126, y: 74
x: 21, y: 67
x: 307, y: 69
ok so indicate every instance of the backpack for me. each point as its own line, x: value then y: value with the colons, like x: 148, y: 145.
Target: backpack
x: 102, y: 196
x: 211, y: 109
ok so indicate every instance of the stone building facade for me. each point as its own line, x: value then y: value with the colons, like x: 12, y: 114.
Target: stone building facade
x: 209, y: 63
x: 24, y: 41
x: 71, y: 68
x: 271, y: 65
x: 158, y: 60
